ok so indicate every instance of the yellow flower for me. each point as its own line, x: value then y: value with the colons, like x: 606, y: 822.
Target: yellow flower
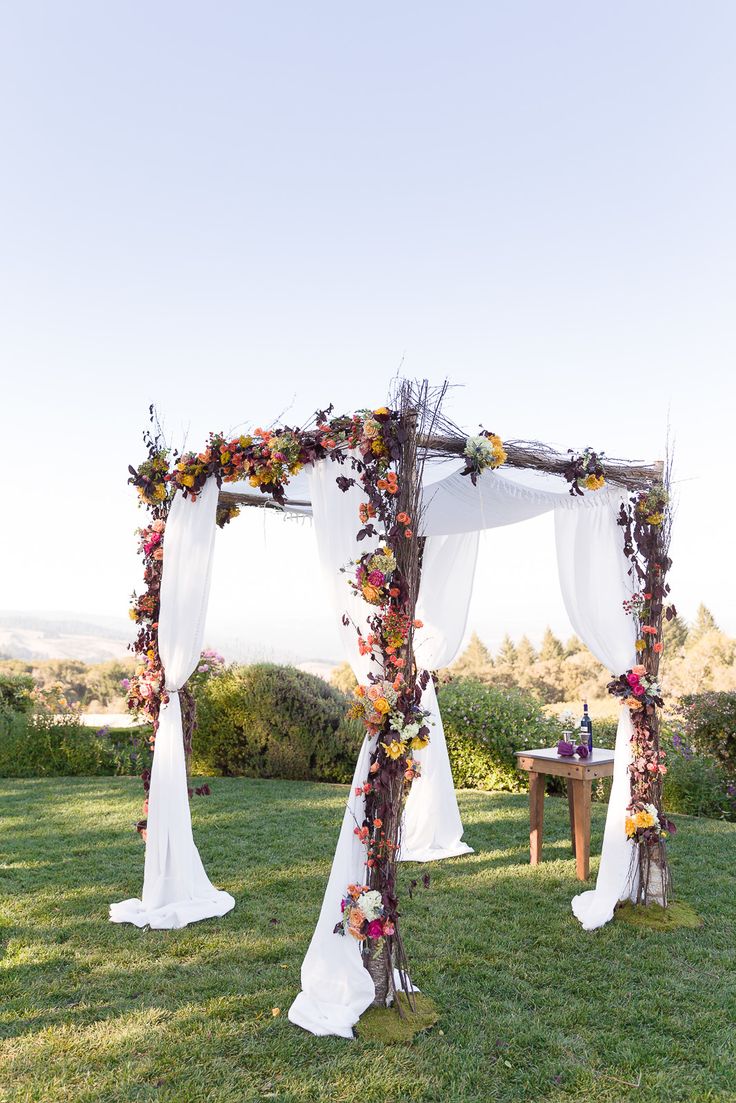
x: 133, y: 614
x: 371, y: 593
x: 187, y: 480
x: 151, y: 654
x: 500, y: 454
x: 419, y: 741
x: 641, y: 645
x: 630, y: 827
x: 381, y: 411
x: 381, y: 705
x: 593, y: 482
x: 654, y: 519
x: 394, y: 749
x: 644, y: 819
x: 159, y: 492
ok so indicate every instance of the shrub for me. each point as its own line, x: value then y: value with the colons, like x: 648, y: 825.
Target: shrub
x: 484, y: 726
x: 267, y: 720
x: 708, y: 723
x: 696, y: 784
x: 44, y: 745
x: 16, y: 692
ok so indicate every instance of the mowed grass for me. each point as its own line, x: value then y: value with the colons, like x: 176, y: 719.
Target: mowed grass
x: 532, y: 1008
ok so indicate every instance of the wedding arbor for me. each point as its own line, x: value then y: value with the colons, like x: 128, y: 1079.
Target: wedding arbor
x: 399, y: 548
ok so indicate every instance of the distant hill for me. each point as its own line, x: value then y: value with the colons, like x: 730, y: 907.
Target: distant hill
x: 36, y: 636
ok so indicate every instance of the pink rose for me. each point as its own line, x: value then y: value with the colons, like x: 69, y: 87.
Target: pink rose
x: 638, y: 691
x: 375, y: 929
x: 632, y: 679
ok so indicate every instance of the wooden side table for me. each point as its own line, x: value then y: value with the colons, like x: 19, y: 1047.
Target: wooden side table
x: 580, y: 773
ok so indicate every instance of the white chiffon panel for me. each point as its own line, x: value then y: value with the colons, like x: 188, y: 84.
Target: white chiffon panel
x: 595, y: 582
x: 176, y: 889
x: 432, y: 826
x: 336, y: 986
x: 594, y: 579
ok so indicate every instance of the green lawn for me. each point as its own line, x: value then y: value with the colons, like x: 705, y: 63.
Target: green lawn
x: 532, y: 1008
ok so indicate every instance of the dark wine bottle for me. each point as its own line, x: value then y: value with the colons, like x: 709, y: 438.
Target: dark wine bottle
x: 586, y: 728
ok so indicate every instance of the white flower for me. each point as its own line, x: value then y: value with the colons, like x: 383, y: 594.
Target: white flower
x: 479, y: 449
x: 371, y: 904
x: 653, y: 813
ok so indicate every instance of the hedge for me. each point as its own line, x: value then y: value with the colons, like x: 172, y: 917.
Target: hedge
x: 267, y: 720
x: 44, y: 746
x: 484, y: 726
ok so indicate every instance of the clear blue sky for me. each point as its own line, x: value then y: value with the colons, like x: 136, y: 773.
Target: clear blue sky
x: 238, y: 209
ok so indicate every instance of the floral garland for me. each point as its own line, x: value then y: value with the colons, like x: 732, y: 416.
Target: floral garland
x: 644, y: 519
x: 389, y: 702
x: 267, y: 460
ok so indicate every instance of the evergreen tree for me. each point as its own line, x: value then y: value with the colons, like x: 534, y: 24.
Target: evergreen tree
x: 475, y: 661
x: 507, y: 651
x: 552, y: 649
x: 674, y: 635
x: 574, y: 646
x: 526, y: 656
x: 704, y: 622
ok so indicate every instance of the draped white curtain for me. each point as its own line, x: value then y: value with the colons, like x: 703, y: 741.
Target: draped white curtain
x: 595, y: 583
x: 176, y: 889
x: 594, y: 579
x: 336, y: 988
x: 432, y: 826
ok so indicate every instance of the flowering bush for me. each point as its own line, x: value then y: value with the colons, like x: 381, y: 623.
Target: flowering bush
x: 708, y: 722
x: 484, y: 725
x: 697, y: 784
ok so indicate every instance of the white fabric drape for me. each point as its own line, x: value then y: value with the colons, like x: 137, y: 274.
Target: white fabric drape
x: 176, y: 889
x: 432, y: 826
x: 336, y: 988
x: 595, y: 583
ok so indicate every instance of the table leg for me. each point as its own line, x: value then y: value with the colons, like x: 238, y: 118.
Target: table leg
x: 536, y: 816
x: 582, y: 796
x: 571, y: 805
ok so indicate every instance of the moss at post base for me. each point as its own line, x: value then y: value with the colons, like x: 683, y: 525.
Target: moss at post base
x: 653, y: 917
x: 386, y: 1025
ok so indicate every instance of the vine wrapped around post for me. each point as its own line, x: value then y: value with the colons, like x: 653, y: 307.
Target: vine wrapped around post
x: 645, y: 519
